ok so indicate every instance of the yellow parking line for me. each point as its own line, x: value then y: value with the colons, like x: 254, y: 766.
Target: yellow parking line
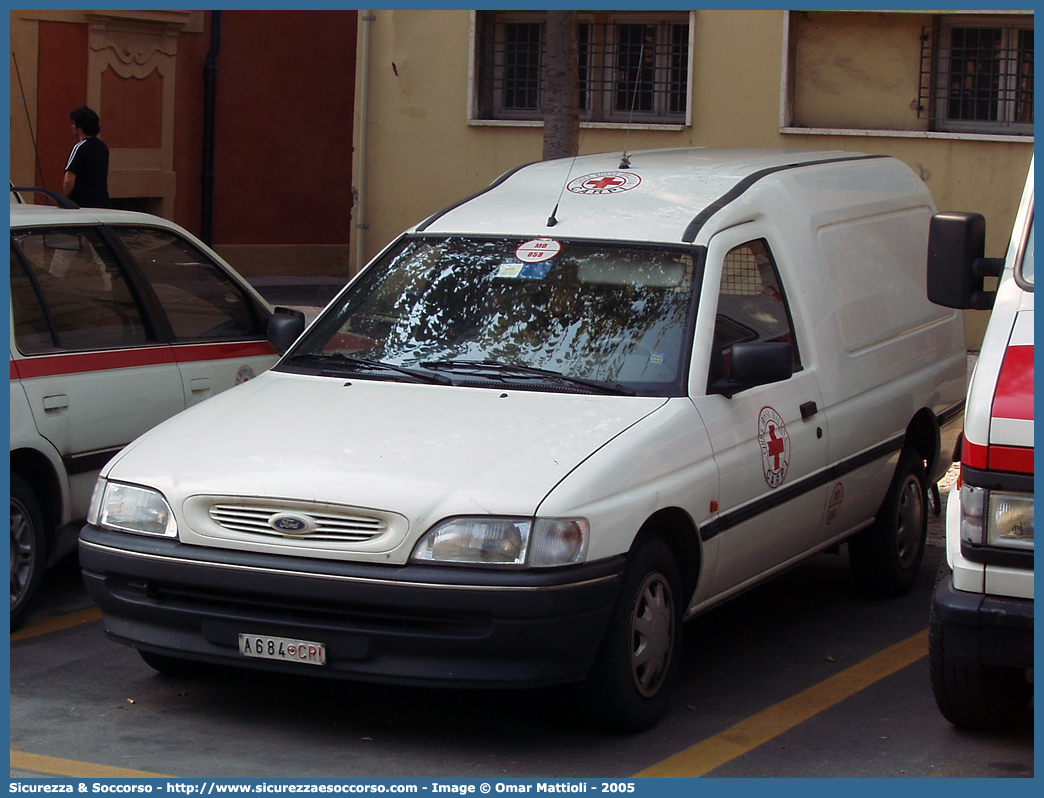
x: 58, y: 623
x: 53, y: 766
x: 745, y: 736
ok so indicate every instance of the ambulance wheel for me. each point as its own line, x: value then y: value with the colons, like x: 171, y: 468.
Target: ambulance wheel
x: 886, y: 557
x: 27, y: 548
x: 975, y: 696
x: 637, y: 665
x: 170, y: 666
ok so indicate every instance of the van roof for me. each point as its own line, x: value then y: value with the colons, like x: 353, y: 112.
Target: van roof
x: 661, y: 195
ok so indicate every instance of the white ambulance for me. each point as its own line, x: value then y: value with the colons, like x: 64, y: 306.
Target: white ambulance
x: 981, y: 641
x: 550, y: 423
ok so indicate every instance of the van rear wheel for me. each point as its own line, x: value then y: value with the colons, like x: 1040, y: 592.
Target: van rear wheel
x: 637, y: 665
x: 886, y: 557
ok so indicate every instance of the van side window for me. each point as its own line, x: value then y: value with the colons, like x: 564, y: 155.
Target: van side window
x: 200, y: 300
x: 751, y: 306
x: 69, y: 294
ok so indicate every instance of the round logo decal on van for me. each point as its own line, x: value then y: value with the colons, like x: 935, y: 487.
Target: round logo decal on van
x: 604, y: 183
x: 775, y: 446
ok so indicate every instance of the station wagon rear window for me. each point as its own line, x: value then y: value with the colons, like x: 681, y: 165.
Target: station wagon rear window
x: 495, y: 312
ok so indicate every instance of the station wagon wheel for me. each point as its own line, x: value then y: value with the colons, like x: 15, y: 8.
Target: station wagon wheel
x: 27, y: 548
x: 637, y: 665
x: 886, y: 557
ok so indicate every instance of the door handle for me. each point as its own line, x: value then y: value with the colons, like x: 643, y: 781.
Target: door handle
x: 808, y: 409
x: 56, y: 404
x: 200, y: 387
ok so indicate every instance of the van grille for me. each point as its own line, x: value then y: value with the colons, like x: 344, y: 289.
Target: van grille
x: 335, y: 527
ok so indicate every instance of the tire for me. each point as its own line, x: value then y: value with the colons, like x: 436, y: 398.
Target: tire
x: 171, y: 666
x: 637, y: 664
x: 972, y: 695
x: 886, y: 557
x: 28, y: 548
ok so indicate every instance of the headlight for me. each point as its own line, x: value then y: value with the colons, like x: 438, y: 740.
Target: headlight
x: 128, y: 508
x: 505, y: 542
x: 1010, y: 521
x: 993, y: 518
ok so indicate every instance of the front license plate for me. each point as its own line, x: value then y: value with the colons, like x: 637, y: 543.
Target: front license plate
x: 282, y: 648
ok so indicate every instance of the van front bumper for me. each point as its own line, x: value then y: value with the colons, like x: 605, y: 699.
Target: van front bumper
x: 992, y: 630
x: 426, y: 625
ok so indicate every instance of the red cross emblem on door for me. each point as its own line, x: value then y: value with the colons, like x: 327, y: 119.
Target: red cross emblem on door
x: 774, y: 441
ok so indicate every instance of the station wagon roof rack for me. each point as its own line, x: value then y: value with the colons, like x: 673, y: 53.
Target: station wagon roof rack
x: 54, y: 196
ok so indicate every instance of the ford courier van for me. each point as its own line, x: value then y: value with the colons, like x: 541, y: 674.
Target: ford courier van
x: 549, y: 424
x: 981, y: 630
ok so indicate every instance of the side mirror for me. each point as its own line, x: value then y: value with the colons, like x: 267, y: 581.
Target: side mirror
x: 284, y: 327
x: 756, y: 363
x: 956, y: 266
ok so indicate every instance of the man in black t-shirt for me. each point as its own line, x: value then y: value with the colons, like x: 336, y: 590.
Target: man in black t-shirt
x: 86, y: 179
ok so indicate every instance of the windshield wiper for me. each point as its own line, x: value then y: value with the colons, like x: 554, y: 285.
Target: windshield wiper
x: 512, y: 371
x: 355, y: 364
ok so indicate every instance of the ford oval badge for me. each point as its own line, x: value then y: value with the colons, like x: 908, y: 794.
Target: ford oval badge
x: 291, y: 524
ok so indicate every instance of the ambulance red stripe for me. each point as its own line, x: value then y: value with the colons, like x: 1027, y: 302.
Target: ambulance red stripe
x: 1016, y: 459
x: 1014, y: 395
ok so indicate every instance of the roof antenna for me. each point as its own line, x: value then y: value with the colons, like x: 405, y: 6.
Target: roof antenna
x: 552, y: 220
x: 625, y: 159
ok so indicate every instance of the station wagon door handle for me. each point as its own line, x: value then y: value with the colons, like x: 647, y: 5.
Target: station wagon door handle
x: 200, y: 387
x: 55, y: 405
x: 808, y: 409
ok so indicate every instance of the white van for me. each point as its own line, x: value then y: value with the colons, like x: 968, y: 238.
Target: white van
x: 549, y: 424
x: 981, y: 630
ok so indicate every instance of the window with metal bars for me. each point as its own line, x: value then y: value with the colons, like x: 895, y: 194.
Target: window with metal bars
x: 978, y: 77
x: 631, y: 69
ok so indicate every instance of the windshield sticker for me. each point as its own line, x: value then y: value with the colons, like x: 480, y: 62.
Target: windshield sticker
x: 537, y: 250
x: 775, y: 446
x: 516, y: 270
x: 657, y: 358
x: 604, y: 183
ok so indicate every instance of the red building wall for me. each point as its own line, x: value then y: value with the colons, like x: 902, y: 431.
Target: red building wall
x: 283, y: 145
x: 60, y: 90
x: 285, y: 93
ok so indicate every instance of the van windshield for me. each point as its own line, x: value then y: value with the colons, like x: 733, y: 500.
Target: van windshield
x: 489, y: 312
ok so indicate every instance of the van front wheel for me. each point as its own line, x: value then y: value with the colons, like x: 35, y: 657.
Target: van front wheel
x: 637, y: 665
x: 886, y: 557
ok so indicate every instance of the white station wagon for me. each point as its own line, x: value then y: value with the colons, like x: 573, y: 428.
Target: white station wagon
x: 549, y: 424
x: 119, y: 320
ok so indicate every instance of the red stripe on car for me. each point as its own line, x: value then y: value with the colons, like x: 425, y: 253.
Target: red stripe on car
x: 79, y: 362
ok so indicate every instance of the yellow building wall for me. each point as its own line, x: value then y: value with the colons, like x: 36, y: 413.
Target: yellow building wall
x: 852, y: 86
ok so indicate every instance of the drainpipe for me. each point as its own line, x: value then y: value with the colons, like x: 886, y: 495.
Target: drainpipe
x: 209, y: 91
x: 368, y: 19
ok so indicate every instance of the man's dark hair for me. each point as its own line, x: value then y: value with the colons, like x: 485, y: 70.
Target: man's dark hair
x: 86, y: 120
